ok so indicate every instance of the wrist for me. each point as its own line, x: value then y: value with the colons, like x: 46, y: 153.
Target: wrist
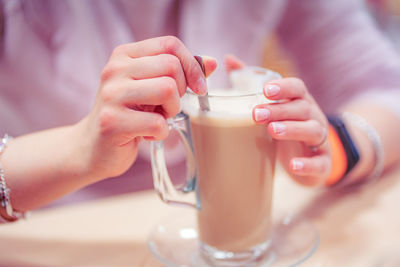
x: 357, y: 152
x: 82, y: 155
x: 345, y: 153
x: 43, y: 166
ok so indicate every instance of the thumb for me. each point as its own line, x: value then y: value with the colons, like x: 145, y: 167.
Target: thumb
x: 210, y: 64
x: 207, y: 64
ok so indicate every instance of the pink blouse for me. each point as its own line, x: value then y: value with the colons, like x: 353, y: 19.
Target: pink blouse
x: 53, y: 52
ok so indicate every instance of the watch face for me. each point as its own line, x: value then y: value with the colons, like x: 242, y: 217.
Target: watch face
x: 352, y: 153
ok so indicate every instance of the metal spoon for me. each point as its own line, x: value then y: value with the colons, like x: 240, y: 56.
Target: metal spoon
x: 203, y: 100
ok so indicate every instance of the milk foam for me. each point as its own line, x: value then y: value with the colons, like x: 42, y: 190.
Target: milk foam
x: 235, y: 103
x: 225, y: 104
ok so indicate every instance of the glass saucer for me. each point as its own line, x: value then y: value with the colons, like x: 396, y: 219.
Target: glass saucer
x: 173, y: 241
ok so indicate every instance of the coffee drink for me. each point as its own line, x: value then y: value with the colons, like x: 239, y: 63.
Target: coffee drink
x: 233, y: 161
x: 235, y: 167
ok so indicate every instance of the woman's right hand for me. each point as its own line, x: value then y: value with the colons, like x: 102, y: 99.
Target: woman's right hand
x: 140, y: 88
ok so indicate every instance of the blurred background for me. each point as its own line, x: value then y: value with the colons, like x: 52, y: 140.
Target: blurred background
x: 386, y: 14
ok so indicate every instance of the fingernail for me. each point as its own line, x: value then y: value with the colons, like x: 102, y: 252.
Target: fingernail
x: 297, y: 165
x: 278, y: 128
x: 210, y: 64
x: 201, y: 86
x: 271, y: 89
x: 261, y: 114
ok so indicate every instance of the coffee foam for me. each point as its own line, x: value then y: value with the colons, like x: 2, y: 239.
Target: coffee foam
x: 235, y: 103
x: 223, y: 106
x: 252, y: 79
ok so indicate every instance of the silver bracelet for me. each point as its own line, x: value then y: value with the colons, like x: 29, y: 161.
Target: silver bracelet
x: 10, y: 214
x: 374, y: 137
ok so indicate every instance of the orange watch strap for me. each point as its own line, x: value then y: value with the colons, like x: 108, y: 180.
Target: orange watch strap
x: 339, y: 158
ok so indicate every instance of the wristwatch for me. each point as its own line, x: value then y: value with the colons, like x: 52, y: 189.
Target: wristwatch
x: 345, y: 155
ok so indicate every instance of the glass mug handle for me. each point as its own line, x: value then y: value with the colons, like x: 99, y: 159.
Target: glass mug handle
x: 163, y: 185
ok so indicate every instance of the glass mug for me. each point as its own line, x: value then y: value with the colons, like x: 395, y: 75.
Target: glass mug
x: 230, y: 168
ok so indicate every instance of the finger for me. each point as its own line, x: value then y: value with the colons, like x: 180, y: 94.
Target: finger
x: 129, y: 124
x: 298, y: 109
x: 311, y: 171
x: 210, y: 64
x: 207, y: 64
x: 160, y: 91
x: 169, y: 45
x: 157, y: 66
x: 148, y: 124
x: 286, y: 88
x: 233, y: 63
x: 310, y: 132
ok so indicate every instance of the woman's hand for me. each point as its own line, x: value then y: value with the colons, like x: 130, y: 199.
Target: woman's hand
x: 299, y: 125
x: 140, y: 88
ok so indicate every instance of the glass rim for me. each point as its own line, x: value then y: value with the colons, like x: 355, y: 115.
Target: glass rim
x: 255, y: 69
x: 244, y: 94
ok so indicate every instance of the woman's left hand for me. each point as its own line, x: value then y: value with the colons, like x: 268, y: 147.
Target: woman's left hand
x: 298, y: 124
x: 300, y: 127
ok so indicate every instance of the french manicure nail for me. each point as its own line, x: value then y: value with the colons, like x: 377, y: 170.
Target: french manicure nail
x: 278, y: 128
x: 297, y: 165
x: 211, y: 65
x: 261, y: 114
x: 272, y: 89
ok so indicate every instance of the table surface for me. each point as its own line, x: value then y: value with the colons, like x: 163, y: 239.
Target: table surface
x: 357, y: 227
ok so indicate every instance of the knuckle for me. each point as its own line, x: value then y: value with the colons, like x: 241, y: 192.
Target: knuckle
x: 110, y: 71
x: 307, y: 110
x: 107, y: 94
x: 302, y: 91
x: 119, y: 49
x: 169, y: 88
x: 278, y: 112
x: 297, y: 81
x: 174, y: 109
x: 320, y: 132
x: 173, y: 64
x: 107, y: 118
x: 170, y: 44
x: 106, y: 73
x: 158, y: 127
x: 300, y: 85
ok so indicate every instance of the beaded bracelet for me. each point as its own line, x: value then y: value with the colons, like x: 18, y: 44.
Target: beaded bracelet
x: 374, y: 137
x: 7, y: 214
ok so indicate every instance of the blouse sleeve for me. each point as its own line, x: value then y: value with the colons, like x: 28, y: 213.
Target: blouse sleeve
x: 340, y: 53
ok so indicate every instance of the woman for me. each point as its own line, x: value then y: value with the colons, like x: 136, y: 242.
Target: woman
x: 53, y: 53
